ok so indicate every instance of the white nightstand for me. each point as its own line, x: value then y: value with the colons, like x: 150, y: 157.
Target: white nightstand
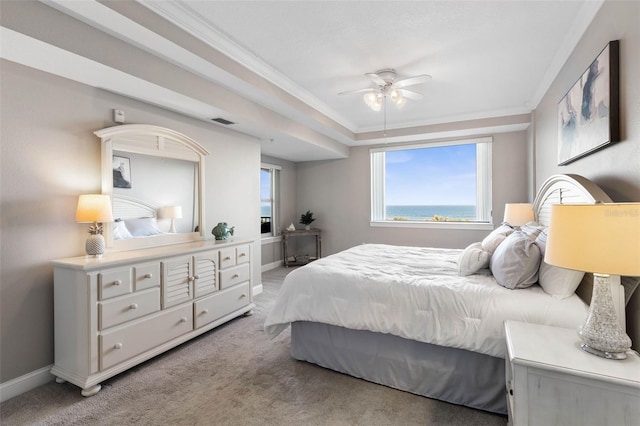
x: 551, y: 381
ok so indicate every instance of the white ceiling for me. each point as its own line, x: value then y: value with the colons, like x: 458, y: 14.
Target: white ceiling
x: 487, y: 58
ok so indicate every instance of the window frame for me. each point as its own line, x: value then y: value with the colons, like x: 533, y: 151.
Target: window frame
x: 274, y: 173
x: 483, y: 185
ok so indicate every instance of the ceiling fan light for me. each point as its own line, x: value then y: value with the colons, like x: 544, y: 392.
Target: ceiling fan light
x: 373, y: 100
x: 397, y: 98
x: 370, y: 98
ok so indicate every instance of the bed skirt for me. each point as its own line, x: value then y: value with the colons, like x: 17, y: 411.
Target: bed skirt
x: 453, y: 375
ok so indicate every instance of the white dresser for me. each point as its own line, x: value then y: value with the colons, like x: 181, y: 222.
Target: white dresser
x: 117, y: 311
x: 551, y: 381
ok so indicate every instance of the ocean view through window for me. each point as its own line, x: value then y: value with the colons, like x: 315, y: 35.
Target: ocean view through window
x: 437, y: 183
x: 269, y: 199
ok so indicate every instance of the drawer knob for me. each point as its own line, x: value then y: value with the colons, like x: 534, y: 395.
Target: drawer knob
x: 133, y: 306
x: 117, y: 282
x: 235, y: 276
x: 242, y: 254
x: 205, y: 311
x: 148, y: 276
x: 117, y: 346
x: 242, y: 296
x: 183, y: 319
x: 227, y: 258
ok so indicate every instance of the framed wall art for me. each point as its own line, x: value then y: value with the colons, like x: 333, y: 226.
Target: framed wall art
x: 589, y: 114
x: 121, y: 172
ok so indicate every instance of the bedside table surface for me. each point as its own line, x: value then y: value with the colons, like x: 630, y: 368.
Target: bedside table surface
x: 558, y: 349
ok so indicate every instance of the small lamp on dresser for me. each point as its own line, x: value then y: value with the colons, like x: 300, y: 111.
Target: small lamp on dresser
x: 603, y: 239
x: 517, y: 214
x: 173, y: 213
x: 96, y: 209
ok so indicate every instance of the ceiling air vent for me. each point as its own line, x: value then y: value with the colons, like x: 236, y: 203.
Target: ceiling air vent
x: 222, y: 121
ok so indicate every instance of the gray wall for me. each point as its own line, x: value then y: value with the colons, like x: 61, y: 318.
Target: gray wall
x: 338, y: 192
x: 616, y: 168
x: 49, y: 156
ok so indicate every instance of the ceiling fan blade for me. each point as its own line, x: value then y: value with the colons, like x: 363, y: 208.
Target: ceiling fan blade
x: 348, y: 92
x: 411, y: 81
x: 410, y: 94
x: 376, y: 79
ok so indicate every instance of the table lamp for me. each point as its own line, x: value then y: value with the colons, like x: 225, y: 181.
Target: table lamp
x: 603, y: 239
x: 172, y: 212
x: 96, y: 209
x: 517, y: 214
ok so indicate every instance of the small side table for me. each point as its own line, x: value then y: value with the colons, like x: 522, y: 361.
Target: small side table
x: 551, y: 381
x: 301, y: 233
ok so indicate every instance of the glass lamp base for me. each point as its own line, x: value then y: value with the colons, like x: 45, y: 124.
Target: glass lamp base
x: 603, y: 354
x: 602, y: 334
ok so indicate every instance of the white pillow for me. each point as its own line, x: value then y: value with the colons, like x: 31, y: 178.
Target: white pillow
x: 515, y: 262
x: 120, y: 231
x: 532, y: 229
x: 555, y: 281
x: 493, y: 240
x: 143, y: 227
x: 472, y: 259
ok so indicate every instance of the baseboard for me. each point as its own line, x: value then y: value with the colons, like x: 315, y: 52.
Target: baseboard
x: 272, y: 265
x: 25, y: 383
x: 257, y: 289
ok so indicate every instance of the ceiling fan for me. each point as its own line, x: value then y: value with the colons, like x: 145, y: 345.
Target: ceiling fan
x: 387, y: 87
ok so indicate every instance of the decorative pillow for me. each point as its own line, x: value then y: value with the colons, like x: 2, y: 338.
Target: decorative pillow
x: 555, y: 281
x: 472, y: 259
x: 532, y: 229
x: 143, y: 227
x: 515, y: 262
x: 493, y: 240
x: 120, y: 231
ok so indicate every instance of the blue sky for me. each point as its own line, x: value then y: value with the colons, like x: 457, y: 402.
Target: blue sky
x: 265, y: 184
x: 432, y: 176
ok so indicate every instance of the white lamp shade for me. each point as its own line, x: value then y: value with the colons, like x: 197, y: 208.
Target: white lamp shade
x: 94, y: 208
x: 598, y: 238
x: 517, y: 214
x: 172, y: 212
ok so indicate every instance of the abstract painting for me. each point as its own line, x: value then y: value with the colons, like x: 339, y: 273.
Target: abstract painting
x: 588, y: 115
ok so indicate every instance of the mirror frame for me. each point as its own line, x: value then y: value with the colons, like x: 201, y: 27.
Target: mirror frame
x: 157, y: 141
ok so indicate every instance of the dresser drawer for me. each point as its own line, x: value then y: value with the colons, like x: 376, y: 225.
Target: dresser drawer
x: 127, y: 308
x: 227, y: 257
x: 114, y: 283
x: 146, y: 276
x: 232, y: 276
x: 220, y: 304
x: 126, y: 342
x: 242, y: 254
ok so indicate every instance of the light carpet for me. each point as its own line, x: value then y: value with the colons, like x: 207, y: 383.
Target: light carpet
x: 235, y: 375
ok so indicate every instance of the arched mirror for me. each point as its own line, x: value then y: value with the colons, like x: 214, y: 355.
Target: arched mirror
x: 155, y: 177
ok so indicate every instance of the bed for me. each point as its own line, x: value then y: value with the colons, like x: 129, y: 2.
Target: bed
x: 405, y: 318
x: 134, y: 218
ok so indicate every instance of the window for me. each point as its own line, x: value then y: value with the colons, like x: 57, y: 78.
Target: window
x: 268, y: 199
x: 446, y: 184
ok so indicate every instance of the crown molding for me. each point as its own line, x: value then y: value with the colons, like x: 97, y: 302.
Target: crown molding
x: 584, y: 18
x: 187, y: 19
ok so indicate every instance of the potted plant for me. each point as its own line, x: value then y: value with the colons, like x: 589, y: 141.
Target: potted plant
x: 307, y: 219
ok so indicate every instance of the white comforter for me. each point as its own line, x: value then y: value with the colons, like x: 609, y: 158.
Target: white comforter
x: 414, y: 293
